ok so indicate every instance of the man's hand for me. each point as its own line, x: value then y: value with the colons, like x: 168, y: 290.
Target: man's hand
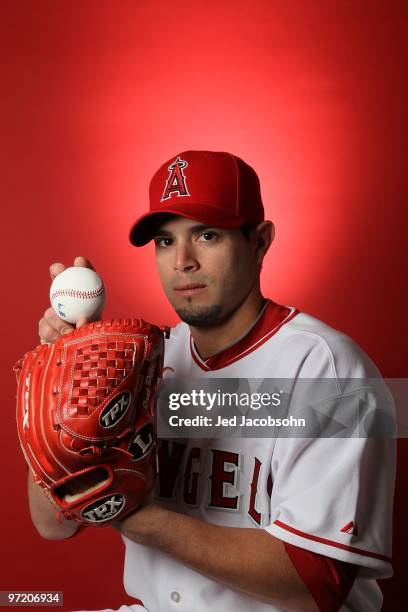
x: 51, y: 326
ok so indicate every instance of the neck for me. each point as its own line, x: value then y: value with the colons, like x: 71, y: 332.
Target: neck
x: 212, y: 340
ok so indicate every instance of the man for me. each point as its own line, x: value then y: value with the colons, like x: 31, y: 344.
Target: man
x: 278, y: 523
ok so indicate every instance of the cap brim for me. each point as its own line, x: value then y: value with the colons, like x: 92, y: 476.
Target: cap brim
x: 147, y: 225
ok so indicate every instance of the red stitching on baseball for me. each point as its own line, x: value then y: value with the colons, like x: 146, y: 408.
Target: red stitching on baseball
x: 77, y: 293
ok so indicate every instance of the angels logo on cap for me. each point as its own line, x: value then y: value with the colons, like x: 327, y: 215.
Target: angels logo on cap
x: 176, y: 182
x: 223, y: 191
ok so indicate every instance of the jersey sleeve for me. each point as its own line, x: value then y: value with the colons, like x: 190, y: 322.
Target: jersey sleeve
x: 333, y: 491
x: 334, y: 496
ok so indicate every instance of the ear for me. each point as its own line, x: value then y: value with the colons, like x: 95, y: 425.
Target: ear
x: 264, y: 235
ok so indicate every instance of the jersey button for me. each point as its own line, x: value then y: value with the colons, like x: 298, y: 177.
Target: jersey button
x: 175, y: 596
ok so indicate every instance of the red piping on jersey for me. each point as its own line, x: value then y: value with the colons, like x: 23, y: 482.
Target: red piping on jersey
x: 353, y: 549
x: 269, y: 323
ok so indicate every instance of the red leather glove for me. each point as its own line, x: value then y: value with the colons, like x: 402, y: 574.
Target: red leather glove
x: 86, y: 418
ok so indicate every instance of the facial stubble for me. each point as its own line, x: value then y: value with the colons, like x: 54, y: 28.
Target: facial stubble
x: 201, y: 317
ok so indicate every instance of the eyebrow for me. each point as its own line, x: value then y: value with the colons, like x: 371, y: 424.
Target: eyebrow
x: 192, y: 230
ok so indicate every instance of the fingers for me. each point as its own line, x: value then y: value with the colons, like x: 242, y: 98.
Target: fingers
x: 55, y: 269
x: 83, y: 262
x: 51, y: 327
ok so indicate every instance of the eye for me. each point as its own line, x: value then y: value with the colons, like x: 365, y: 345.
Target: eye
x: 208, y: 236
x: 162, y: 242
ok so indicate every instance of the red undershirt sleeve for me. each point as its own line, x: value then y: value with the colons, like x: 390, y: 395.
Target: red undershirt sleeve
x: 328, y: 580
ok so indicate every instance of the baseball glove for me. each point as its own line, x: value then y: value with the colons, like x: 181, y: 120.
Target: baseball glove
x: 86, y: 418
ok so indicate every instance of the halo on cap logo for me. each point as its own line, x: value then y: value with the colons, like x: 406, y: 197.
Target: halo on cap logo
x: 142, y: 442
x: 176, y: 181
x: 103, y: 509
x: 115, y: 410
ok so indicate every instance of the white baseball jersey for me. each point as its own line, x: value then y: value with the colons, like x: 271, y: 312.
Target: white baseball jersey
x: 332, y: 496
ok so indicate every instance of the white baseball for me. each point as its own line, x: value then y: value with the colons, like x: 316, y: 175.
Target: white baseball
x: 77, y: 292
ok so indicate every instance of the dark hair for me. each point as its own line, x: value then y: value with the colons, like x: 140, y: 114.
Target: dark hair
x: 247, y: 229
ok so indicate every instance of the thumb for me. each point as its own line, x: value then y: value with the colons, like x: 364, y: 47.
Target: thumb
x: 81, y: 321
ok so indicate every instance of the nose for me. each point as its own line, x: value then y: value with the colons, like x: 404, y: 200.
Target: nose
x: 185, y: 260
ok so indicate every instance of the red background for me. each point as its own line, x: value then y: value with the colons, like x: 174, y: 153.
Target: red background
x: 97, y: 94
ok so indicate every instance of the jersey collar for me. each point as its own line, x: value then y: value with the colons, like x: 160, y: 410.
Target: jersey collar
x: 271, y: 318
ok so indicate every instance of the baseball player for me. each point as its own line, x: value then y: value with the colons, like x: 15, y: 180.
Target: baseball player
x: 267, y: 523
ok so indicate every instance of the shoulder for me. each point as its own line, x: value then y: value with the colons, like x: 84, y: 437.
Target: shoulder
x: 324, y: 347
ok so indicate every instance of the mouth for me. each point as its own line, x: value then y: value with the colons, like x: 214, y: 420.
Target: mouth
x: 189, y: 289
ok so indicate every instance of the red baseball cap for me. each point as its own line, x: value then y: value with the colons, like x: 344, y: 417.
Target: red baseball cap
x: 212, y: 187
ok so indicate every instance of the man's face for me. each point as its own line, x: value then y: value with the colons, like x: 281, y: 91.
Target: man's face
x: 206, y: 272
